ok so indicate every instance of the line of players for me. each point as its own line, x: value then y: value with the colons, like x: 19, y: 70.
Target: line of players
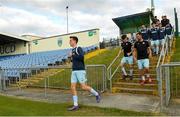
x: 148, y: 42
x: 156, y: 35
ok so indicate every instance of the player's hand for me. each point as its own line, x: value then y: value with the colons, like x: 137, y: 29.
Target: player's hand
x: 129, y: 54
x: 70, y: 54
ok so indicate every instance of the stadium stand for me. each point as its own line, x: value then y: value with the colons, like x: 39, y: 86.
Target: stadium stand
x: 11, y: 64
x: 9, y: 57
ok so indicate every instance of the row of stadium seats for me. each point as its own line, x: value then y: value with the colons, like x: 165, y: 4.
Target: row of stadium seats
x: 20, y: 64
x: 9, y: 57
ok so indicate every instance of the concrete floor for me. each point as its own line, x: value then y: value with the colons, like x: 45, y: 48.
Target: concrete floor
x: 174, y: 108
x: 140, y: 103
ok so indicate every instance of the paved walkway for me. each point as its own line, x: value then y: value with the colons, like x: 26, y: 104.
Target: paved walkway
x: 120, y: 101
x: 174, y: 108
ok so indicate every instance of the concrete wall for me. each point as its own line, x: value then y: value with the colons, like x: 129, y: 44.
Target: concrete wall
x: 86, y: 38
x: 19, y: 47
x: 37, y: 44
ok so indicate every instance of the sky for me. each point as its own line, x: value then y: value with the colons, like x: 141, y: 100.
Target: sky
x: 48, y: 17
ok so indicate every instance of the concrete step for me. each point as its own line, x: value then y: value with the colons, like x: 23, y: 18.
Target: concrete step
x: 136, y: 71
x: 13, y: 85
x: 135, y: 80
x: 46, y: 74
x: 31, y: 79
x: 18, y: 86
x: 150, y: 67
x: 35, y: 77
x: 134, y: 75
x: 134, y: 91
x: 134, y: 85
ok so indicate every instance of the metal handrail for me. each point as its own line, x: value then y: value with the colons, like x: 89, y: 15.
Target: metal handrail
x: 120, y: 51
x: 163, y: 51
x: 109, y: 69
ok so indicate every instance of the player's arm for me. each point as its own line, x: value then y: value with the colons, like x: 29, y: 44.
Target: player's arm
x: 149, y: 50
x: 131, y: 50
x: 121, y: 47
x: 135, y: 54
x: 80, y: 54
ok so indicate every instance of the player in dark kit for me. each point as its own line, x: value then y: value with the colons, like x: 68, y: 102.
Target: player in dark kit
x: 128, y: 58
x: 168, y: 30
x: 142, y: 52
x: 154, y: 34
x: 145, y: 32
x: 78, y: 73
x: 162, y: 35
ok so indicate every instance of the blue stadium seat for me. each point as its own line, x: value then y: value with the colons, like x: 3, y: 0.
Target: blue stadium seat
x: 39, y: 59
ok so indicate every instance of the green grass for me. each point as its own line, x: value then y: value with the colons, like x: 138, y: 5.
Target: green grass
x: 176, y: 56
x: 19, y: 107
x: 62, y: 79
x: 175, y: 79
x: 104, y: 58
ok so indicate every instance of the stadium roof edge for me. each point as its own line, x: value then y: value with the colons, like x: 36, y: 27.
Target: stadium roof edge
x: 128, y: 16
x: 68, y: 33
x: 131, y: 23
x: 14, y: 36
x: 31, y: 36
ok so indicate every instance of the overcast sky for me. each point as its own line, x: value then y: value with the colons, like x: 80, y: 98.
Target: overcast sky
x: 48, y: 17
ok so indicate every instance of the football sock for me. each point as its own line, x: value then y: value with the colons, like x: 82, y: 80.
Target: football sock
x: 143, y: 78
x: 124, y: 71
x: 131, y: 72
x: 94, y: 92
x: 75, y: 100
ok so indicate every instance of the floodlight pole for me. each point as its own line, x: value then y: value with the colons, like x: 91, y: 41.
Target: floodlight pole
x: 67, y: 16
x: 176, y: 23
x: 152, y: 6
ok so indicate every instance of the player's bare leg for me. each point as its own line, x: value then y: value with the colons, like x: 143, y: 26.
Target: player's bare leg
x: 124, y: 74
x: 148, y: 78
x: 131, y: 71
x: 142, y: 76
x: 75, y: 98
x: 90, y: 89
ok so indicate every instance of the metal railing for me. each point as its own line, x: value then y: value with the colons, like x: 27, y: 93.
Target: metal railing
x: 113, y: 68
x: 53, y: 77
x: 163, y: 54
x: 170, y: 83
x: 163, y: 75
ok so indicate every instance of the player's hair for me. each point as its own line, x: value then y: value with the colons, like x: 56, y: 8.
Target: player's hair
x: 139, y: 33
x: 123, y: 37
x: 74, y: 38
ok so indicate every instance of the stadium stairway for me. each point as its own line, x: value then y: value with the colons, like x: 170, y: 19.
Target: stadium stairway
x: 133, y: 86
x: 28, y: 82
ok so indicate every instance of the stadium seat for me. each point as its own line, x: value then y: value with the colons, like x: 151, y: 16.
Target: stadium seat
x: 39, y: 59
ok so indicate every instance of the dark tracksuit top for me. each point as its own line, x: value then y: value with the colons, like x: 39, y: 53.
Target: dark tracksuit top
x: 145, y: 34
x: 154, y: 34
x: 168, y: 30
x: 162, y: 33
x: 78, y: 59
